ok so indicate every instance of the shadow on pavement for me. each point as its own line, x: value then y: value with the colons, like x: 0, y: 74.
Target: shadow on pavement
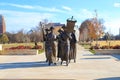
x: 98, y: 58
x: 117, y: 57
x: 109, y: 78
x: 92, y: 56
x: 23, y: 65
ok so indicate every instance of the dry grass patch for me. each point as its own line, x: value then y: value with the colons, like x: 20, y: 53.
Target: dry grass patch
x: 108, y: 43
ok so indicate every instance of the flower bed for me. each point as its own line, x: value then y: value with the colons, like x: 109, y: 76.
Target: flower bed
x: 22, y: 50
x: 106, y: 49
x: 24, y: 47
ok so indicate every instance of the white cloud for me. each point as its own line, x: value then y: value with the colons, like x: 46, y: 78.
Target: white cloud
x: 17, y: 5
x: 87, y: 13
x: 16, y: 20
x: 35, y: 7
x: 83, y: 14
x: 67, y: 8
x: 116, y: 4
x: 53, y: 9
x: 22, y: 6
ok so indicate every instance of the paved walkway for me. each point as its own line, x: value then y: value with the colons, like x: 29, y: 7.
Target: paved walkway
x: 87, y: 67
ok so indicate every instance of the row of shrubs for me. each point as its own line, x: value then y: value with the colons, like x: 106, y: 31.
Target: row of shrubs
x: 24, y: 47
x: 105, y: 47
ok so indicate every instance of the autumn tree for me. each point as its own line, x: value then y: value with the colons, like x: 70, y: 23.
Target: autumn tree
x: 84, y: 33
x: 95, y: 28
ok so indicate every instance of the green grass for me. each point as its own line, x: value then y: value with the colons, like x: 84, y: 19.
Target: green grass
x: 92, y: 51
x: 86, y: 46
x: 40, y: 51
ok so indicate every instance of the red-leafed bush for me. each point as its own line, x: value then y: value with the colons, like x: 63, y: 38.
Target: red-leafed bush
x: 24, y: 47
x: 116, y: 47
x: 104, y: 47
x: 94, y: 47
x: 20, y: 47
x: 111, y: 47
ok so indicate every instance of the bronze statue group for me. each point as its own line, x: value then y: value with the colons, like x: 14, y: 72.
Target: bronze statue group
x: 66, y: 46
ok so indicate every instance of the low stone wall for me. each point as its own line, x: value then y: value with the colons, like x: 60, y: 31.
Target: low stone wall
x: 0, y: 47
x: 107, y: 51
x: 20, y: 52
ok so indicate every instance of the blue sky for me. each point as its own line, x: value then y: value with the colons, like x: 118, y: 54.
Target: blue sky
x: 26, y: 14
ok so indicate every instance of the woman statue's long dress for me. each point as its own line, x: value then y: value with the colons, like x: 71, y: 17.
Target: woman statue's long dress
x: 65, y: 46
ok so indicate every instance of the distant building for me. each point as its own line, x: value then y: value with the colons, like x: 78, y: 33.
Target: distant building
x: 2, y: 25
x: 56, y: 26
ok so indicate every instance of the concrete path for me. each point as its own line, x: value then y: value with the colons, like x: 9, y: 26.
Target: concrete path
x: 34, y: 67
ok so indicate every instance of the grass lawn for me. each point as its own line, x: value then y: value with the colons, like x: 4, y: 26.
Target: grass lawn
x: 86, y: 46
